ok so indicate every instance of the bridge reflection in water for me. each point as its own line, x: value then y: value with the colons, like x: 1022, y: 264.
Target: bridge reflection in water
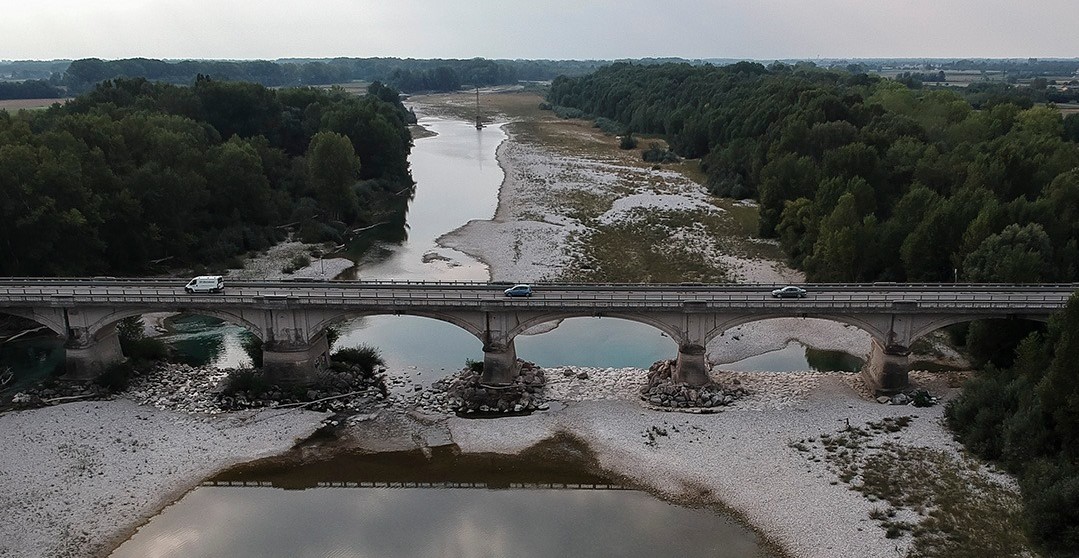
x: 551, y: 500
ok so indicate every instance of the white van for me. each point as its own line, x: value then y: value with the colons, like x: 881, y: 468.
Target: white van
x: 205, y: 284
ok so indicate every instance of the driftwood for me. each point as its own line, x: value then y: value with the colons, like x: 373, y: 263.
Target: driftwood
x: 359, y: 230
x: 70, y: 398
x: 304, y: 403
x: 159, y: 260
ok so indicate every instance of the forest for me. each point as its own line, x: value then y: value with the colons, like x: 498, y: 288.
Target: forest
x: 137, y: 177
x: 406, y: 75
x: 862, y: 178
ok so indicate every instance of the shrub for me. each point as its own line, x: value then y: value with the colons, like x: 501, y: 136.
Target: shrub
x: 364, y: 356
x: 474, y: 365
x: 609, y: 127
x: 253, y: 347
x: 245, y: 380
x: 627, y: 141
x: 656, y: 154
x: 115, y: 377
x: 569, y: 112
x: 145, y: 349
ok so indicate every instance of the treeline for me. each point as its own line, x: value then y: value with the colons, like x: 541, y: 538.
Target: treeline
x: 136, y: 174
x: 859, y: 177
x: 30, y: 89
x: 408, y: 75
x: 1026, y: 417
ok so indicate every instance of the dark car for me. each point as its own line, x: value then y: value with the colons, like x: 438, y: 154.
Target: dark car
x: 790, y: 291
x: 519, y: 290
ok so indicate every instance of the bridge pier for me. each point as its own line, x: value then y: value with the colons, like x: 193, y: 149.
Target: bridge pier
x: 500, y: 365
x: 85, y: 357
x: 692, y: 368
x: 886, y: 370
x: 295, y: 364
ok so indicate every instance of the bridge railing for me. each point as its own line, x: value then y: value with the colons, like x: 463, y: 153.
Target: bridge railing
x: 404, y: 297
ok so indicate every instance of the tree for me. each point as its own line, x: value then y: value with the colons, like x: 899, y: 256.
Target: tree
x: 332, y: 169
x: 1015, y: 255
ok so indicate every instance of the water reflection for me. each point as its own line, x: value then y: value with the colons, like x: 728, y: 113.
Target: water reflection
x: 796, y: 356
x: 457, y: 179
x: 406, y: 504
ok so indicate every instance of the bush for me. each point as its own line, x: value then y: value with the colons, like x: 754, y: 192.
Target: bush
x: 364, y: 356
x: 145, y: 349
x: 569, y: 112
x: 627, y: 141
x: 298, y: 262
x: 253, y: 347
x: 656, y: 154
x: 474, y: 365
x: 245, y: 380
x: 115, y: 377
x: 609, y: 127
x: 1051, y: 499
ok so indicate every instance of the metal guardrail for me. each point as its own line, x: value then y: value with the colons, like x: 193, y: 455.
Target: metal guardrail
x: 685, y: 286
x: 477, y: 299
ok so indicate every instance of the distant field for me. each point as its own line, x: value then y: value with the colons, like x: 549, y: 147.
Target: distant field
x: 18, y: 104
x: 1068, y: 108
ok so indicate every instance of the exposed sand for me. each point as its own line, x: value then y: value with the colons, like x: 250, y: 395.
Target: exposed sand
x: 75, y: 479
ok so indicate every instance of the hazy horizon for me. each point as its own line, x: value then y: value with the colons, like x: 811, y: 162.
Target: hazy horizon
x: 559, y: 30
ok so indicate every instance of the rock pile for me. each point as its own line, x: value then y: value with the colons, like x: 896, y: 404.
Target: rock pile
x: 465, y: 394
x: 341, y: 389
x: 51, y: 392
x: 662, y: 391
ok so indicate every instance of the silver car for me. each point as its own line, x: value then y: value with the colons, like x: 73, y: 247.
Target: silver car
x: 790, y: 291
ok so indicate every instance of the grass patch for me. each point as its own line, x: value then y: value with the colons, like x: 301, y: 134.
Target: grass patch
x: 946, y: 503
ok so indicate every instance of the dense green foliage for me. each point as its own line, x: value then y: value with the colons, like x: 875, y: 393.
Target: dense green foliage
x: 136, y: 172
x: 861, y: 178
x: 30, y: 89
x: 1026, y: 417
x: 366, y: 357
x: 404, y: 74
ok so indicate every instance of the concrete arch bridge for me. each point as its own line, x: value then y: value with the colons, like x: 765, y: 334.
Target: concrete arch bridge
x: 291, y: 317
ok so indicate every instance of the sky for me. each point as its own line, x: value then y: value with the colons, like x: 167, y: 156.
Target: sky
x: 538, y: 29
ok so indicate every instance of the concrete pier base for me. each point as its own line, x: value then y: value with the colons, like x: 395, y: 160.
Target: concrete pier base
x: 692, y: 368
x: 295, y: 365
x: 886, y: 370
x: 500, y: 365
x: 85, y: 361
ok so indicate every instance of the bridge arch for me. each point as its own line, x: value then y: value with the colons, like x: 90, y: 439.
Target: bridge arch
x: 104, y: 322
x: 329, y: 320
x: 674, y: 333
x: 729, y: 322
x: 52, y: 322
x: 929, y: 326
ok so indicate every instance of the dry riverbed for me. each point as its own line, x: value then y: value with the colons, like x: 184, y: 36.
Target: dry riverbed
x: 793, y: 458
